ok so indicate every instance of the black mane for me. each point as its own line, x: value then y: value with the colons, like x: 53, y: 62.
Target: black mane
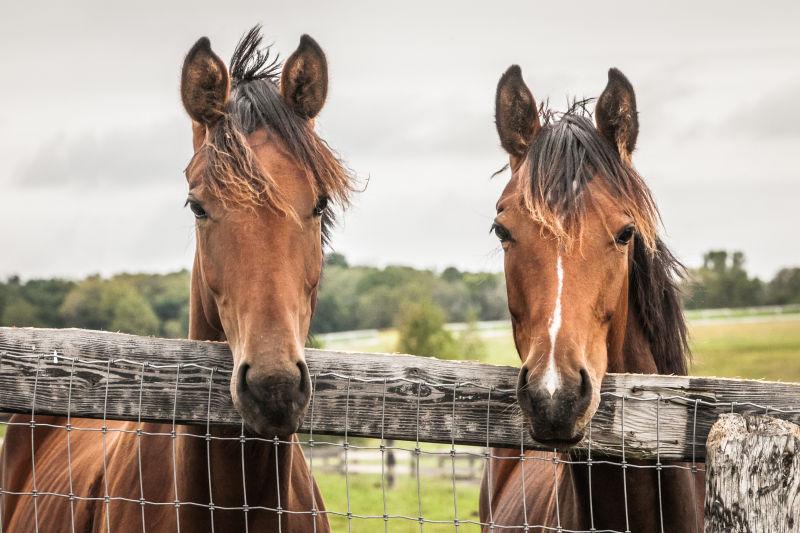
x: 654, y: 294
x: 565, y: 156
x: 256, y: 103
x: 251, y: 61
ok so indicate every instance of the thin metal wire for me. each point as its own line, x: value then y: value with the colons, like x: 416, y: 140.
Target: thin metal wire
x: 624, y: 469
x: 694, y: 465
x: 245, y: 504
x: 488, y: 461
x: 33, y: 446
x: 383, y: 459
x: 69, y: 449
x: 347, y: 457
x: 139, y: 448
x: 658, y: 462
x: 208, y: 452
x: 312, y: 487
x: 276, y: 451
x: 453, y: 457
x: 610, y: 394
x: 591, y: 496
x: 417, y: 455
x: 174, y: 442
x: 556, y: 491
x: 522, y: 477
x: 104, y: 433
x: 558, y: 463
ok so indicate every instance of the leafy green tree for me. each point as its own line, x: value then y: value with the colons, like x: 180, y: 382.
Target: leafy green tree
x: 4, y: 298
x: 349, y: 297
x: 421, y: 332
x: 454, y: 298
x: 337, y: 300
x: 47, y: 295
x: 378, y: 307
x: 33, y: 303
x: 114, y: 305
x: 488, y: 294
x: 470, y: 344
x: 336, y: 260
x: 784, y: 288
x: 83, y: 307
x: 168, y: 296
x: 722, y: 281
x: 131, y: 313
x: 20, y: 312
x: 358, y: 297
x: 451, y: 275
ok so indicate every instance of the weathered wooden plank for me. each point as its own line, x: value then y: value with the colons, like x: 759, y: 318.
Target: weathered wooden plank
x: 752, y: 475
x: 94, y: 374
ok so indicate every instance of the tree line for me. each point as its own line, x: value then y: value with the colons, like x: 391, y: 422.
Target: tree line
x: 723, y: 281
x: 350, y: 297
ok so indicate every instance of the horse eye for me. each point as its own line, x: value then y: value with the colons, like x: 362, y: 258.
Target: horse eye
x: 322, y: 204
x: 625, y: 236
x: 502, y: 232
x: 197, y: 209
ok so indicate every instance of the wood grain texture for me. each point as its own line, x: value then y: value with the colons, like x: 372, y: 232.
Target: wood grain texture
x: 96, y: 374
x: 752, y: 475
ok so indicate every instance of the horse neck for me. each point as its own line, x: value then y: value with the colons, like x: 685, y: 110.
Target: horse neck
x: 678, y: 493
x: 227, y: 457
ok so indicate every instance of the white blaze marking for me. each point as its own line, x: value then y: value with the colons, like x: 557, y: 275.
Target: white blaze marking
x: 551, y: 379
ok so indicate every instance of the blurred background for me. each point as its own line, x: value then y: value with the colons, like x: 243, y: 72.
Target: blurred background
x: 93, y: 142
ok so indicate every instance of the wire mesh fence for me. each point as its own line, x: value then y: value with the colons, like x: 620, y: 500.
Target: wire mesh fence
x: 423, y: 483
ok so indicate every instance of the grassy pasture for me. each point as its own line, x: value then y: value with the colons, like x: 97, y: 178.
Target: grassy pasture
x: 366, y: 499
x: 755, y: 349
x: 753, y: 346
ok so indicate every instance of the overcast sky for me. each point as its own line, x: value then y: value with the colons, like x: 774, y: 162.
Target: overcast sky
x: 93, y: 138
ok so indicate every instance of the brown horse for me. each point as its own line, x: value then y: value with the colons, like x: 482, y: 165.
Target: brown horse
x: 591, y: 289
x: 259, y: 184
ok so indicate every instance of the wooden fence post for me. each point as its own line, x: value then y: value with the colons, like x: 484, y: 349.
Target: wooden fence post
x: 752, y: 475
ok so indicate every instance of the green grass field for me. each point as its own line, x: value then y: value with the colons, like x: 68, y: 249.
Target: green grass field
x: 754, y: 346
x: 366, y: 499
x: 767, y: 349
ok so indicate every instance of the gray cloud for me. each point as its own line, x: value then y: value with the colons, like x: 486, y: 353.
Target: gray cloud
x: 410, y: 105
x: 775, y: 115
x: 123, y: 157
x: 445, y: 130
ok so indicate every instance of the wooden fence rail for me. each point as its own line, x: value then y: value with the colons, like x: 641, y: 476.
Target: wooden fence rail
x: 124, y: 377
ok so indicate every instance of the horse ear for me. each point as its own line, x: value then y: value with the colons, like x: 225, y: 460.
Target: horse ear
x: 304, y: 81
x: 616, y: 115
x: 205, y: 84
x: 515, y: 113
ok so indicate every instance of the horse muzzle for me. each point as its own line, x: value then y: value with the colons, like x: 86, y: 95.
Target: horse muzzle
x: 274, y: 402
x: 554, y: 416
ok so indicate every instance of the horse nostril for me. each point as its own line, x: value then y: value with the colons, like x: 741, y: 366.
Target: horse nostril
x: 522, y: 379
x: 305, y: 381
x: 241, y: 379
x: 586, y: 384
